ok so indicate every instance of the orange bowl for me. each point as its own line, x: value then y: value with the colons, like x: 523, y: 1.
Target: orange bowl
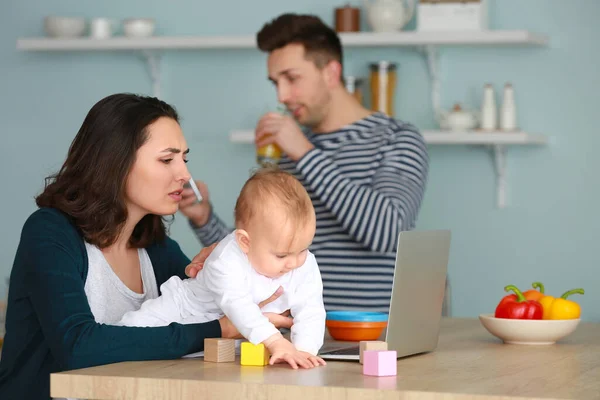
x: 355, y: 331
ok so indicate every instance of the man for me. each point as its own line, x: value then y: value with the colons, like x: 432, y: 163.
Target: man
x: 365, y: 172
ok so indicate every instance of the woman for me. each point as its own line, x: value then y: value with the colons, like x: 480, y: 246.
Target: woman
x: 97, y: 248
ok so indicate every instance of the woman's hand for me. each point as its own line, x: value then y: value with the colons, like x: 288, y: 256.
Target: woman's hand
x: 199, y: 213
x: 279, y: 320
x: 283, y: 320
x: 228, y: 330
x: 197, y: 262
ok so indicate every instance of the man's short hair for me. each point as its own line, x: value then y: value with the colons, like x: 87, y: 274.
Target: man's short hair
x: 321, y: 43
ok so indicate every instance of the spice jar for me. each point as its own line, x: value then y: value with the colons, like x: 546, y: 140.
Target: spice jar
x: 354, y: 87
x: 383, y: 85
x: 347, y: 19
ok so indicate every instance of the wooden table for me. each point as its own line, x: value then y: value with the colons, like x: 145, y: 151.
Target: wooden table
x: 469, y: 363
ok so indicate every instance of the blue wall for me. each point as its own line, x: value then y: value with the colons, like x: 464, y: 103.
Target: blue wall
x: 548, y: 232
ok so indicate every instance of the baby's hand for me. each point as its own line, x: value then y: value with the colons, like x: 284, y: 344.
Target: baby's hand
x: 314, y: 360
x: 282, y: 350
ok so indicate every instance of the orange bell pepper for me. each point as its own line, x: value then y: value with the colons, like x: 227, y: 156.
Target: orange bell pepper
x: 561, y: 308
x: 532, y: 294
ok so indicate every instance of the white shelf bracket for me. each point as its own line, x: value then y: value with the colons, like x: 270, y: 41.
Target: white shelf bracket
x: 431, y: 55
x: 153, y: 64
x: 499, y: 154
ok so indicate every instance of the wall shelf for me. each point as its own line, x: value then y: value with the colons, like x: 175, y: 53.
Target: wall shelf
x: 443, y: 138
x: 150, y: 48
x: 359, y: 39
x: 484, y: 138
x: 427, y: 43
x: 495, y: 141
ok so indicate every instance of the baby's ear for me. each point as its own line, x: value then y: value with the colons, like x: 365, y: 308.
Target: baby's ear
x: 243, y: 240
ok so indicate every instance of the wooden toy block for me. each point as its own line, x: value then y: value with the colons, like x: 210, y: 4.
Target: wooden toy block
x: 380, y: 363
x: 371, y: 345
x: 219, y: 350
x: 254, y: 354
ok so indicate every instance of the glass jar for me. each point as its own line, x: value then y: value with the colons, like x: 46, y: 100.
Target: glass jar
x: 354, y: 87
x: 383, y: 85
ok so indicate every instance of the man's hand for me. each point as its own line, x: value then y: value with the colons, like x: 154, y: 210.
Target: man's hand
x: 284, y: 131
x: 199, y: 213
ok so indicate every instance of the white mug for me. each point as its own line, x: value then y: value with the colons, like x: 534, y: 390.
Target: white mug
x: 101, y: 28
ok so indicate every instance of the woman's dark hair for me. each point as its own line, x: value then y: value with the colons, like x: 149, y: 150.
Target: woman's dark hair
x: 90, y: 186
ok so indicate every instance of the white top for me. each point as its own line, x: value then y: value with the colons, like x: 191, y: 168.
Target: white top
x: 228, y: 285
x: 108, y: 296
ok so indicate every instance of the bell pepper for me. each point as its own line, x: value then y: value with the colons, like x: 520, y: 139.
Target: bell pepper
x: 561, y: 308
x: 533, y: 294
x: 530, y: 294
x: 518, y: 307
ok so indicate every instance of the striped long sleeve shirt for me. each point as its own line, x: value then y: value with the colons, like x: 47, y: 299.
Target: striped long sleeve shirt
x: 367, y: 182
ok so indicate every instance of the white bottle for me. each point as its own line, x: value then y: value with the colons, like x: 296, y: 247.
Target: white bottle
x: 489, y: 116
x: 508, y: 111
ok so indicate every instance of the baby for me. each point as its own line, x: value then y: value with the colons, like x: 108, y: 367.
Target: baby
x: 275, y: 224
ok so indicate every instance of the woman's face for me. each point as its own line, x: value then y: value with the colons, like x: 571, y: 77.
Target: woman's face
x: 156, y: 179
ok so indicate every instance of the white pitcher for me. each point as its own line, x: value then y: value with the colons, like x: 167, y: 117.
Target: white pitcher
x: 388, y: 15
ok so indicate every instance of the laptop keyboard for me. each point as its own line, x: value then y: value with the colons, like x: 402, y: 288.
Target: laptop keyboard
x: 348, y: 351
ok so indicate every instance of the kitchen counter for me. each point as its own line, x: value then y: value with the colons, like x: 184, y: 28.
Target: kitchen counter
x: 469, y: 363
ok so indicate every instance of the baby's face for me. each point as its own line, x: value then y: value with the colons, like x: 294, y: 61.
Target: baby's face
x: 276, y: 248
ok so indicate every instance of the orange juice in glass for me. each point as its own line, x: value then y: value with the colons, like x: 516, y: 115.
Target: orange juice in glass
x: 270, y: 154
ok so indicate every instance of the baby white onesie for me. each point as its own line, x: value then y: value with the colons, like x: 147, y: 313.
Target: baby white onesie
x: 228, y: 285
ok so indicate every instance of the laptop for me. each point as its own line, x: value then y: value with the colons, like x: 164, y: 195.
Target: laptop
x: 417, y: 297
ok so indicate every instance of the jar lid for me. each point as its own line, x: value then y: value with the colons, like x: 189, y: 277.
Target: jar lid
x: 383, y: 65
x: 353, y: 80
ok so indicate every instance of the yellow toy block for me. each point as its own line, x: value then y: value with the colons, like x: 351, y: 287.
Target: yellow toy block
x: 254, y: 354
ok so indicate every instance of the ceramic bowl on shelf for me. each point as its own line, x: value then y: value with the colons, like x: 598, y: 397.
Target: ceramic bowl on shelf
x: 138, y: 27
x: 459, y: 119
x: 354, y: 326
x: 526, y: 331
x: 64, y: 27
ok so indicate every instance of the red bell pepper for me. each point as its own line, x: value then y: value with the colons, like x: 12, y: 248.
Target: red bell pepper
x: 518, y: 307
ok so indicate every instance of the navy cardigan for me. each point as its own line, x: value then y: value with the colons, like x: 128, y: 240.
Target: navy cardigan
x: 49, y: 324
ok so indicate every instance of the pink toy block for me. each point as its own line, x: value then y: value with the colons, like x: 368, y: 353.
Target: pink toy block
x: 379, y: 362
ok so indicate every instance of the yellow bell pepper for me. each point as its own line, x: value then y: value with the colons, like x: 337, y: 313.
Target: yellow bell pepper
x: 561, y: 308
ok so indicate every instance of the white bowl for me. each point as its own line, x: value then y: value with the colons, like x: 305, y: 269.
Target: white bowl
x: 64, y: 27
x: 523, y: 331
x: 138, y: 27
